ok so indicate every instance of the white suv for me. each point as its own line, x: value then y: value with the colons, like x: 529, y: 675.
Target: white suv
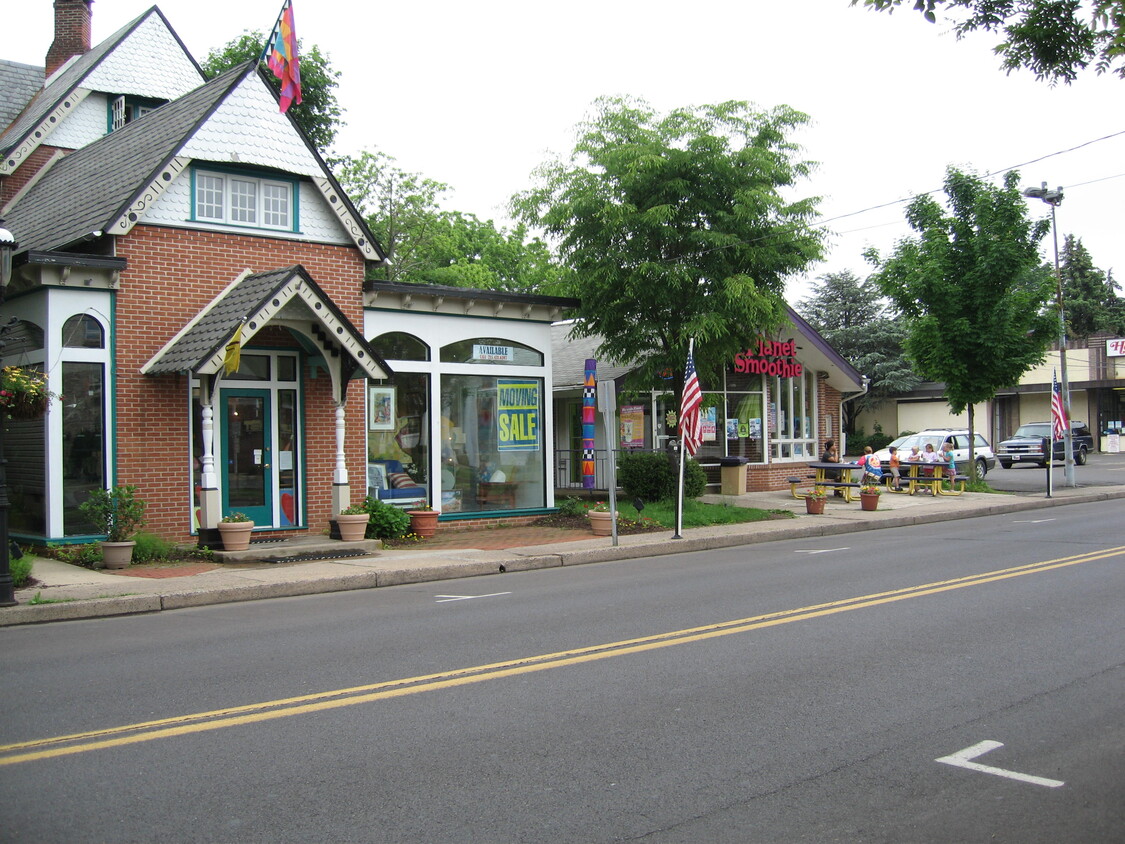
x: 982, y: 451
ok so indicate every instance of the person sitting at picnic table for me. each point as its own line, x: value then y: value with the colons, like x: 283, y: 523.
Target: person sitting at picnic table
x: 831, y: 455
x: 915, y: 455
x: 949, y: 458
x: 893, y: 465
x: 871, y: 465
x: 930, y: 457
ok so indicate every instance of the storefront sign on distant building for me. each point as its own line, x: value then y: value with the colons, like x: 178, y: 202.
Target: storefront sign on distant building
x: 772, y: 357
x: 1115, y: 348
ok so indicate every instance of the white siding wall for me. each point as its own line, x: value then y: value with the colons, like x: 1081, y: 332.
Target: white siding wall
x: 85, y: 124
x: 149, y: 63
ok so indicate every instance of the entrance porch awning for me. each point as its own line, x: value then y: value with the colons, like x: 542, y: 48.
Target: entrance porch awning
x: 287, y: 298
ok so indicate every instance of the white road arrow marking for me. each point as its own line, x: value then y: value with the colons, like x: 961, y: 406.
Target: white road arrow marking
x: 1031, y: 521
x: 821, y: 551
x: 445, y: 599
x: 963, y: 759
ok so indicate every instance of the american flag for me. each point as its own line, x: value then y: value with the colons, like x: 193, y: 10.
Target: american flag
x: 1058, y: 411
x: 691, y: 425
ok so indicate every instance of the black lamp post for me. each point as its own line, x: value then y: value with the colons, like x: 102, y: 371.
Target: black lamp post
x: 7, y: 589
x: 1054, y: 198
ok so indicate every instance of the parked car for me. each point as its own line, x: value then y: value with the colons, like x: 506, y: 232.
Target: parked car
x: 982, y: 451
x: 1026, y: 445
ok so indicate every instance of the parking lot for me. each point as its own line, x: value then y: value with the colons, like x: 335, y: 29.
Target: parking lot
x: 1100, y: 470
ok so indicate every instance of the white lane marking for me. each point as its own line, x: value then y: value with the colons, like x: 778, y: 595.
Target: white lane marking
x: 963, y: 759
x: 445, y: 599
x: 821, y: 551
x: 1030, y: 521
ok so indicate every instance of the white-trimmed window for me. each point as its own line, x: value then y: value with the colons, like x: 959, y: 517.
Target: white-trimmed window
x: 242, y: 200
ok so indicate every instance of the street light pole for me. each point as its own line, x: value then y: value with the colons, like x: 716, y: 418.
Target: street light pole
x: 1054, y: 199
x: 7, y: 587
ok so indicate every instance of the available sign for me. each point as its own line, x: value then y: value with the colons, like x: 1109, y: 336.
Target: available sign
x: 498, y: 353
x: 773, y: 357
x: 517, y: 414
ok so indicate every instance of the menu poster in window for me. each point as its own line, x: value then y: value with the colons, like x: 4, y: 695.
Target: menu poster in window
x: 381, y: 409
x: 756, y: 428
x: 517, y: 414
x: 732, y: 429
x: 633, y: 426
x: 709, y: 417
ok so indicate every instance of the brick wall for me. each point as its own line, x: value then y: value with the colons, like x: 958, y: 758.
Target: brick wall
x: 172, y: 274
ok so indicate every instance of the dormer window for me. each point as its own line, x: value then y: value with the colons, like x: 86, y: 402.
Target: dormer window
x: 125, y: 109
x: 239, y: 199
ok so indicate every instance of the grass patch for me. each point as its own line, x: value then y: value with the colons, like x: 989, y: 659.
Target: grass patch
x: 38, y: 598
x: 699, y: 514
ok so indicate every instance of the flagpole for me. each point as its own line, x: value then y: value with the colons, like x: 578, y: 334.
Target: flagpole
x: 680, y: 475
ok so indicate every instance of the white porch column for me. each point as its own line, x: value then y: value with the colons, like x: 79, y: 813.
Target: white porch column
x: 210, y: 497
x: 341, y: 490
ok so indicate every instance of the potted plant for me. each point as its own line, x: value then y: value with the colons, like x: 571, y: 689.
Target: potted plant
x: 118, y: 513
x: 423, y: 520
x: 352, y: 523
x: 869, y: 495
x: 235, y: 529
x: 601, y: 519
x: 814, y: 500
x: 23, y: 393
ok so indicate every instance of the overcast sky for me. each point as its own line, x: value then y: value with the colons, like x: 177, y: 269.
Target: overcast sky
x: 478, y: 94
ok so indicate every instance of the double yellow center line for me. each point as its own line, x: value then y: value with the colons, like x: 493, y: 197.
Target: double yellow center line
x: 47, y: 748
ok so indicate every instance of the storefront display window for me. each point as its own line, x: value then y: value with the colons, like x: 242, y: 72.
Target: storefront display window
x: 792, y: 416
x: 398, y: 438
x: 492, y: 449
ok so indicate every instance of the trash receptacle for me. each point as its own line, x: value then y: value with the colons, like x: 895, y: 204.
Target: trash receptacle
x: 732, y: 474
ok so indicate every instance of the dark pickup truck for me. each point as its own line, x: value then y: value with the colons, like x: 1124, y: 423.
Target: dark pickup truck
x: 1026, y: 445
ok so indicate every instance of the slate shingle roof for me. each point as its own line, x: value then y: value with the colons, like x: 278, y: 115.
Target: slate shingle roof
x: 87, y: 190
x: 20, y: 83
x: 208, y: 336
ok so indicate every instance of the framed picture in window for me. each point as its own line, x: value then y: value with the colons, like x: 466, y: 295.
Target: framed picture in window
x: 381, y: 409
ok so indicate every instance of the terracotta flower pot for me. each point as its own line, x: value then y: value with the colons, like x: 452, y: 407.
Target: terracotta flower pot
x: 353, y: 526
x: 815, y: 506
x: 868, y: 501
x: 423, y: 522
x: 236, y: 535
x: 601, y: 523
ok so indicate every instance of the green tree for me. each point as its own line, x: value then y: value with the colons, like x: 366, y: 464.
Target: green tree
x: 853, y: 317
x: 427, y: 244
x: 674, y: 227
x: 318, y: 114
x: 971, y: 288
x: 1055, y: 39
x: 1089, y: 295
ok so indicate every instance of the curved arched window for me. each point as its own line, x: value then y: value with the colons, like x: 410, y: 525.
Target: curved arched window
x: 491, y: 350
x: 83, y: 332
x: 398, y: 345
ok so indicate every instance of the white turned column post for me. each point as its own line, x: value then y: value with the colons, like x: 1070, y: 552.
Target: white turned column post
x: 341, y: 490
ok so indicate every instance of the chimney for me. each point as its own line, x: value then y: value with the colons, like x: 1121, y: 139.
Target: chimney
x: 72, y: 32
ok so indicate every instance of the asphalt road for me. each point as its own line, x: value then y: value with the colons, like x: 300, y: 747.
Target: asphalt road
x: 793, y: 691
x: 1100, y: 470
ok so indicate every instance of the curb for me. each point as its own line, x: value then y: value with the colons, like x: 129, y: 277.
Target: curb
x: 645, y: 545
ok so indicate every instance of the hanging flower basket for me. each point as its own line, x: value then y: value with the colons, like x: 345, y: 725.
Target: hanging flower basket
x: 23, y: 393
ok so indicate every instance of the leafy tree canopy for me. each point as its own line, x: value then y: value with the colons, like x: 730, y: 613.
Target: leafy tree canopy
x: 971, y: 288
x: 1055, y: 39
x: 852, y: 316
x: 427, y: 244
x: 319, y: 113
x: 1089, y: 295
x: 674, y: 226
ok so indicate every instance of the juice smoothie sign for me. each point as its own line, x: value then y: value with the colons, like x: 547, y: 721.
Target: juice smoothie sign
x: 517, y: 414
x: 773, y: 357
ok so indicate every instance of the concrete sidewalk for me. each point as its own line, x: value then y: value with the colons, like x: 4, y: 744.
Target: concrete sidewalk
x: 84, y: 593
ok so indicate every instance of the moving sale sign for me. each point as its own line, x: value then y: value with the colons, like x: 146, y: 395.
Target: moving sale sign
x: 517, y: 414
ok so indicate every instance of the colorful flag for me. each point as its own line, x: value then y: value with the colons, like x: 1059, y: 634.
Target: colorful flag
x: 1059, y: 421
x: 283, y: 57
x: 691, y: 425
x: 233, y: 356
